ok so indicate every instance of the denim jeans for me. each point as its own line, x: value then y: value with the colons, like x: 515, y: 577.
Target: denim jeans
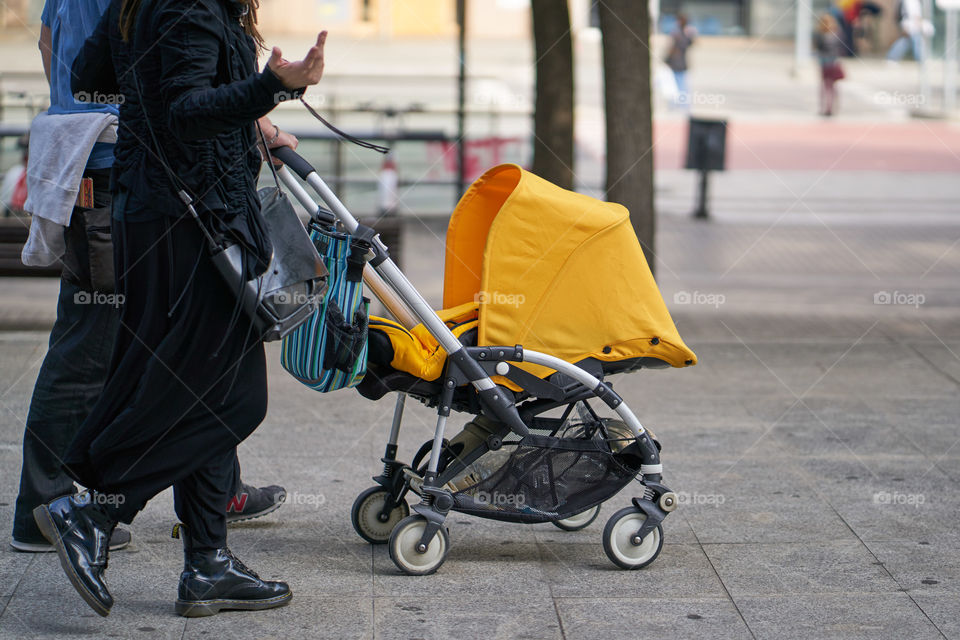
x: 68, y: 385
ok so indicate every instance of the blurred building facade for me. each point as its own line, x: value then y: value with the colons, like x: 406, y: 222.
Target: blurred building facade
x: 511, y: 18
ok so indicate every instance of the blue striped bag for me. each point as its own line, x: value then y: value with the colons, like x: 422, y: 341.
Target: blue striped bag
x: 329, y: 351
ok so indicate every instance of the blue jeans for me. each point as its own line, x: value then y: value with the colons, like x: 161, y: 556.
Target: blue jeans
x: 68, y: 385
x: 905, y: 42
x: 683, y: 96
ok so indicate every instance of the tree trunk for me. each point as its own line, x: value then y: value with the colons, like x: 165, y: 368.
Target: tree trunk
x: 553, y: 111
x: 625, y: 25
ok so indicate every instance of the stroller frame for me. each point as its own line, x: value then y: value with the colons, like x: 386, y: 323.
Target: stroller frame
x: 419, y: 543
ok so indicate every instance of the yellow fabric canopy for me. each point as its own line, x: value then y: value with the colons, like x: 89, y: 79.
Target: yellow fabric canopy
x: 555, y: 271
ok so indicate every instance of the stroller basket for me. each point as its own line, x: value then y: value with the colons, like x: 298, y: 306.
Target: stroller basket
x: 547, y: 478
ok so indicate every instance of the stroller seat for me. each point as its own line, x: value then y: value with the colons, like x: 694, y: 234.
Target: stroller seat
x: 412, y: 360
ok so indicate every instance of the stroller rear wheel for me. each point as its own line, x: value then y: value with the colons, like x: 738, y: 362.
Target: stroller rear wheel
x: 403, y: 547
x: 579, y: 521
x: 368, y: 518
x: 619, y: 541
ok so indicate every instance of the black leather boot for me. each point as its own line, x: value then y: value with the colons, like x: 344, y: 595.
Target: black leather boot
x: 216, y: 580
x: 81, y: 535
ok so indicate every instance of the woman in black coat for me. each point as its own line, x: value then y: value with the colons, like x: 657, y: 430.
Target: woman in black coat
x: 188, y: 376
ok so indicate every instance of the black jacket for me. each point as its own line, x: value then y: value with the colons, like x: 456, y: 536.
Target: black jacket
x: 190, y: 70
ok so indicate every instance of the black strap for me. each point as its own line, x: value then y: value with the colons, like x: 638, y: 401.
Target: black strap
x: 344, y: 135
x: 266, y: 149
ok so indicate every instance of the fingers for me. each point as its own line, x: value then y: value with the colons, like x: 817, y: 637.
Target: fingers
x: 321, y: 39
x: 275, y: 57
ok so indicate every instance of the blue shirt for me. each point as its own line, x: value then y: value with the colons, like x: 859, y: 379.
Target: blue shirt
x: 71, y: 22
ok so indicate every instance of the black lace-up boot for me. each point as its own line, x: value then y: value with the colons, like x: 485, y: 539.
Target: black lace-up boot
x: 215, y: 580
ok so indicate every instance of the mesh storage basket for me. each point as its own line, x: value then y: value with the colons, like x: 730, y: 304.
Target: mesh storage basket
x: 548, y: 478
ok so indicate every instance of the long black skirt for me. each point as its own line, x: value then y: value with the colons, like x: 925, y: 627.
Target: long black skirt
x: 187, y: 381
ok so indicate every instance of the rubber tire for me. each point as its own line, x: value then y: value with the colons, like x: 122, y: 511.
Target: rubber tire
x: 367, y: 505
x: 616, y: 539
x: 567, y: 525
x: 403, y: 539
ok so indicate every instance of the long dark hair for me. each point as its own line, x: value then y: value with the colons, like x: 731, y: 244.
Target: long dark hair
x: 130, y: 8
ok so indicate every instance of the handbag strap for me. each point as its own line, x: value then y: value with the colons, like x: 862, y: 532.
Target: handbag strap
x: 266, y: 150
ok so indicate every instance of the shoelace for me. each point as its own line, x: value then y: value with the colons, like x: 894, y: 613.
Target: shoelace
x: 239, y: 564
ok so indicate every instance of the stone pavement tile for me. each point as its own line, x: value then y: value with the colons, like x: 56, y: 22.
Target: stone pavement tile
x: 926, y: 423
x: 314, y: 567
x: 680, y: 571
x: 756, y: 499
x: 68, y: 616
x: 943, y: 611
x: 847, y: 616
x: 470, y: 571
x: 878, y: 479
x: 803, y: 569
x: 445, y: 614
x: 13, y: 565
x: 927, y: 567
x: 306, y: 617
x: 895, y: 518
x: 945, y: 355
x: 894, y: 371
x: 10, y: 459
x: 613, y: 618
x: 21, y: 362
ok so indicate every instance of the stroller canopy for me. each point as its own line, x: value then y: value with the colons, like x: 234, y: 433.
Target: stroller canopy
x: 556, y: 271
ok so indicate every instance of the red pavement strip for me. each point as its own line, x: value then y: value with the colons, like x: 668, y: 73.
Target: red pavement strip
x: 919, y: 145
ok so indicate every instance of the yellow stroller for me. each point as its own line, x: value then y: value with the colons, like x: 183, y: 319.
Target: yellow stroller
x: 546, y: 293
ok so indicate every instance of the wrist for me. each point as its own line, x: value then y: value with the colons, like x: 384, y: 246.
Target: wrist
x: 276, y: 135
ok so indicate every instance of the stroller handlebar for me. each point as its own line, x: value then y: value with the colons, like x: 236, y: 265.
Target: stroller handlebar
x: 295, y: 161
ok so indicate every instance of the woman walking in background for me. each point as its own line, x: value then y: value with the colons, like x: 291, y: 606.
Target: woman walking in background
x: 828, y: 42
x: 681, y: 39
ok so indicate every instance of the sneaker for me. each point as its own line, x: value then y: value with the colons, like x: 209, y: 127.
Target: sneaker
x: 254, y: 502
x: 119, y: 539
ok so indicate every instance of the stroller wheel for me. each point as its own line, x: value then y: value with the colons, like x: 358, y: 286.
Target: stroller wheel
x: 618, y: 540
x: 403, y: 547
x: 579, y: 521
x: 366, y: 515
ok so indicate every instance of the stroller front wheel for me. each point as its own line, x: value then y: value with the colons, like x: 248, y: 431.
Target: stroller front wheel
x: 403, y: 547
x: 579, y: 521
x: 367, y: 515
x: 619, y: 540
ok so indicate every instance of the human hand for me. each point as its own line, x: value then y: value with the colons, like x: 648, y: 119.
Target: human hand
x: 302, y: 73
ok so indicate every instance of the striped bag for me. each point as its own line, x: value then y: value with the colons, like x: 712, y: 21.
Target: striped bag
x: 329, y: 351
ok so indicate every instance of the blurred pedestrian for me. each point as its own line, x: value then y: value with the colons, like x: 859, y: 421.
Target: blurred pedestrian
x: 71, y: 203
x: 913, y: 28
x: 13, y: 189
x: 828, y: 43
x: 187, y: 381
x: 681, y: 39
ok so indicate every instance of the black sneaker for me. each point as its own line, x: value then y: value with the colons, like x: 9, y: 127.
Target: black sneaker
x: 119, y: 539
x: 254, y: 502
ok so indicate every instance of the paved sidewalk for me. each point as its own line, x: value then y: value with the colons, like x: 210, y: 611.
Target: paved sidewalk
x: 815, y: 447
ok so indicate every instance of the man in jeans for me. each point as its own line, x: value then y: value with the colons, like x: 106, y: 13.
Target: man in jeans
x: 81, y: 343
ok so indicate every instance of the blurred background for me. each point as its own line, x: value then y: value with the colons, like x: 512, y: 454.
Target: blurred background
x: 807, y: 213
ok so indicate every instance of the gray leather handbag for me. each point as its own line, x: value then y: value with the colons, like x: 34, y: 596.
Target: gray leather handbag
x: 292, y: 287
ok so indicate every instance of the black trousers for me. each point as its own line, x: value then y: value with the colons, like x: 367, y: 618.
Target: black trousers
x: 187, y: 383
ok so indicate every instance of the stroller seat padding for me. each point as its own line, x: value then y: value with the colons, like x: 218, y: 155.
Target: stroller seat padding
x: 415, y: 351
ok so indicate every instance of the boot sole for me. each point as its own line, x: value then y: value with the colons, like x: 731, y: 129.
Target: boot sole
x: 202, y: 608
x: 49, y: 530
